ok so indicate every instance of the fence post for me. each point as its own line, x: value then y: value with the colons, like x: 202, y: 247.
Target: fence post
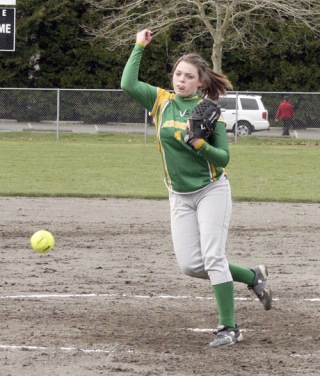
x: 58, y: 112
x: 236, y: 125
x: 145, y: 125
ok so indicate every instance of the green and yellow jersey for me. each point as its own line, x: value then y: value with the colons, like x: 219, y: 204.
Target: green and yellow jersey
x: 186, y: 169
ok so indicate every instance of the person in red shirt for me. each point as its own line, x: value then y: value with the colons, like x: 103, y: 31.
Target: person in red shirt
x: 286, y: 113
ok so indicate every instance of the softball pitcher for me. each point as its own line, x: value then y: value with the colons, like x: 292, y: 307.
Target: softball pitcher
x: 193, y: 143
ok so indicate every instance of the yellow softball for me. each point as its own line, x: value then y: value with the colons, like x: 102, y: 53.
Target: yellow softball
x: 42, y: 241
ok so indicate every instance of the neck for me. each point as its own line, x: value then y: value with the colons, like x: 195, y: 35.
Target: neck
x: 189, y: 98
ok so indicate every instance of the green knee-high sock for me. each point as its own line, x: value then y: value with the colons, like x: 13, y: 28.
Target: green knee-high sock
x: 224, y: 294
x: 239, y: 274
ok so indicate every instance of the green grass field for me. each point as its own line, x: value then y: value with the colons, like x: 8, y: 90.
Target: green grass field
x: 122, y: 165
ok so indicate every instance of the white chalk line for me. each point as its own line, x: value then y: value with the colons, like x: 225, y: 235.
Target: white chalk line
x: 305, y: 356
x: 203, y: 330
x: 173, y: 297
x: 43, y: 348
x: 70, y: 349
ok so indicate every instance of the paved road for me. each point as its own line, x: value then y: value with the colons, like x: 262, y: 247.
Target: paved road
x: 7, y: 126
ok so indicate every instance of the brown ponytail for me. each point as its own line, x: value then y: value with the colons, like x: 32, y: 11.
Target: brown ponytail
x: 213, y: 84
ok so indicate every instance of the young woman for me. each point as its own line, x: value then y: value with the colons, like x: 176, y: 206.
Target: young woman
x: 199, y: 190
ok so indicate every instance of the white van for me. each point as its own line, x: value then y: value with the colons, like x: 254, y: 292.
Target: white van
x: 252, y: 115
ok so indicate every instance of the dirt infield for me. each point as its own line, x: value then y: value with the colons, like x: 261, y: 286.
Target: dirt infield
x: 110, y: 299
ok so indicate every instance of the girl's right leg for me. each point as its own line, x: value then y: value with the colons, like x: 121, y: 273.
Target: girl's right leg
x: 256, y: 279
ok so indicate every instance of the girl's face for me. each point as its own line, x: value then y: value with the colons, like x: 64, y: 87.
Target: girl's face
x: 185, y: 79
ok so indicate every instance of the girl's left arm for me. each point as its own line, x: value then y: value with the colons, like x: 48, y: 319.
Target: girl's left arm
x: 216, y: 149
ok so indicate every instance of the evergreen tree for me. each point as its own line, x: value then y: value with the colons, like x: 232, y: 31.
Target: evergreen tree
x: 53, y: 50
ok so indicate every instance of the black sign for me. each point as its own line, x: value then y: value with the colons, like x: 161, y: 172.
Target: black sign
x: 7, y: 29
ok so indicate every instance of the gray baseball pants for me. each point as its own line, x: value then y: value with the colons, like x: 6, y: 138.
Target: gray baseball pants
x: 199, y: 226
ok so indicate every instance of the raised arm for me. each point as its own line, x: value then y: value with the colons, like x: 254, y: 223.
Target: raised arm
x: 142, y: 92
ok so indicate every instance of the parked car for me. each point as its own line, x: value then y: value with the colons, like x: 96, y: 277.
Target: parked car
x: 252, y: 115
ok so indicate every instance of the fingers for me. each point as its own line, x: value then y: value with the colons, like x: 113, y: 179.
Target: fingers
x: 196, y: 141
x: 144, y: 36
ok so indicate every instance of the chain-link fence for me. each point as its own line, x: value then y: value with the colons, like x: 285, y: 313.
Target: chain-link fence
x: 112, y: 111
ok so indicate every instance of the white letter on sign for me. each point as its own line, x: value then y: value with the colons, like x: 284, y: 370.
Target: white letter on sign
x: 5, y: 29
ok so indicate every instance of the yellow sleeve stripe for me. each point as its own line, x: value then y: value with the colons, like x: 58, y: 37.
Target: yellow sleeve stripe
x: 162, y: 97
x: 141, y: 44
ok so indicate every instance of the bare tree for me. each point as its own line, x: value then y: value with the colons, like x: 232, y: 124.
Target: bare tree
x: 227, y: 24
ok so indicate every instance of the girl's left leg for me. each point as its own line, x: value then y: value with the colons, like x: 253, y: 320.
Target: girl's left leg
x: 214, y: 208
x: 214, y: 212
